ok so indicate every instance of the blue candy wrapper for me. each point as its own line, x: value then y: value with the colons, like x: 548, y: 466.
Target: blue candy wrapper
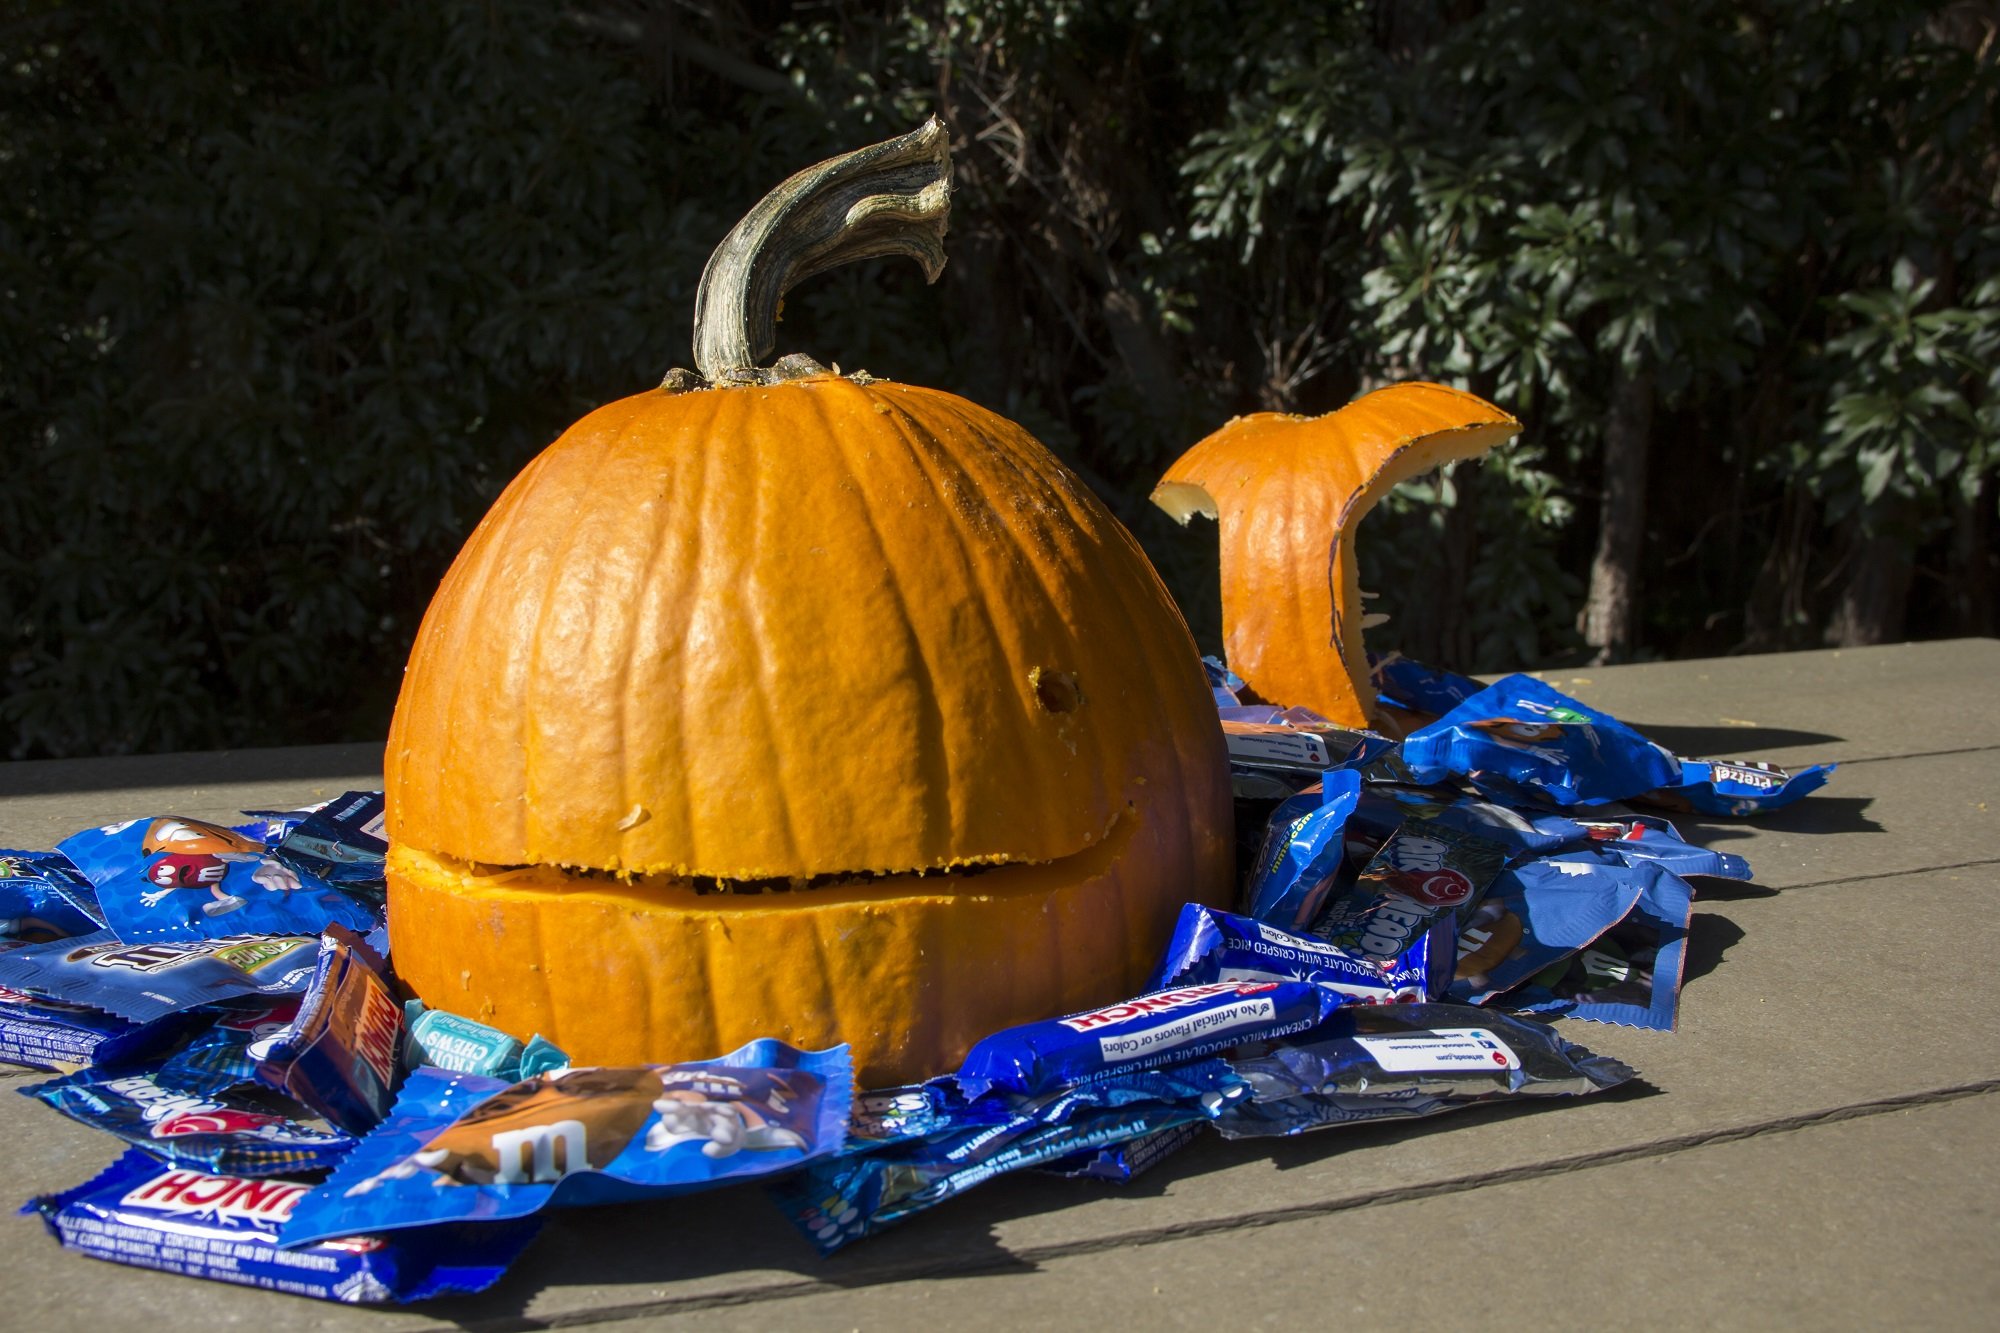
x: 1411, y: 685
x: 184, y: 879
x: 458, y: 1147
x: 51, y: 1034
x: 1427, y: 876
x: 224, y: 1055
x: 43, y: 897
x: 1210, y: 945
x: 1530, y: 735
x: 1301, y: 856
x: 154, y: 1215
x: 339, y: 1055
x: 244, y: 1133
x: 1122, y: 1163
x: 1538, y: 914
x: 1400, y: 1061
x: 143, y: 982
x: 1738, y: 786
x: 1631, y: 974
x: 1635, y: 840
x: 342, y: 842
x: 1160, y: 1028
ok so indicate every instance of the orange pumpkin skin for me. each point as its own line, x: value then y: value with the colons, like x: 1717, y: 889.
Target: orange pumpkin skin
x: 1288, y: 493
x: 813, y: 629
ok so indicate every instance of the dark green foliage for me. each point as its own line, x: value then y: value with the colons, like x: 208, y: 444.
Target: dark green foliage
x: 292, y: 290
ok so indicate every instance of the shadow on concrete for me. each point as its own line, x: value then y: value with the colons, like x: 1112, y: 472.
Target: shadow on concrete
x: 1731, y: 742
x: 1817, y: 814
x: 1710, y: 936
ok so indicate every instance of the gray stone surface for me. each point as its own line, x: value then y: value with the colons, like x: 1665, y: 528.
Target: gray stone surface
x: 1814, y: 1143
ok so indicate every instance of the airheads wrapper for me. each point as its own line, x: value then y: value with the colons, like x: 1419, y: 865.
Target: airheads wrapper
x: 1208, y: 945
x: 339, y: 1054
x: 459, y: 1147
x: 154, y: 1215
x: 1398, y: 1061
x: 1427, y: 875
x: 1538, y: 914
x: 183, y: 879
x: 1629, y: 975
x: 246, y: 1132
x: 1301, y: 855
x: 43, y: 897
x: 143, y: 982
x: 1738, y: 786
x: 1528, y: 734
x: 52, y: 1034
x: 1160, y: 1028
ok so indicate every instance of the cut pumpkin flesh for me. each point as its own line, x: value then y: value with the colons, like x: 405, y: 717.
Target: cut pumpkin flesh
x: 1288, y: 493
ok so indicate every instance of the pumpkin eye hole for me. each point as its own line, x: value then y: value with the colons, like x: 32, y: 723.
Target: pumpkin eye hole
x: 1056, y: 691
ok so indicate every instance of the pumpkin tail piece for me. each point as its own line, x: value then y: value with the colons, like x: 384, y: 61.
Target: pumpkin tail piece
x: 1288, y: 493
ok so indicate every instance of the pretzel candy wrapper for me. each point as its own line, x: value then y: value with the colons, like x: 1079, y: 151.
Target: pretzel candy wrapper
x: 340, y: 1053
x: 1302, y: 851
x: 184, y: 879
x: 1738, y: 786
x: 459, y: 1147
x: 43, y: 897
x: 1209, y: 945
x: 1400, y: 1061
x: 1161, y: 1028
x: 239, y: 1132
x: 156, y: 1215
x: 143, y: 982
x: 1631, y: 974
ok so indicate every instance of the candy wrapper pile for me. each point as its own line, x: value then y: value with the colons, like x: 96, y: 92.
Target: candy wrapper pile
x: 1412, y: 916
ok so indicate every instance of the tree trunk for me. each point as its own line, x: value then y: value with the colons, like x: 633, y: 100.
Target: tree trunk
x: 1877, y: 590
x: 1972, y: 564
x: 1609, y: 611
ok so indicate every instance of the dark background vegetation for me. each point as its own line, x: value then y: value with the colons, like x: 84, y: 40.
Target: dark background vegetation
x: 291, y: 290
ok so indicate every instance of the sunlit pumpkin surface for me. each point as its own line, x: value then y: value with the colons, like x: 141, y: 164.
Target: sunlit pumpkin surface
x: 814, y: 637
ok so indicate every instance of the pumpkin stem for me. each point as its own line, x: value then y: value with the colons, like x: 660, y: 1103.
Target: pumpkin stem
x: 890, y: 198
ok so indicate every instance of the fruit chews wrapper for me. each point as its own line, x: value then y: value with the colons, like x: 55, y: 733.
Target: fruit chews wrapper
x: 1427, y: 876
x: 1631, y: 974
x: 1209, y: 945
x: 1738, y: 786
x: 1302, y: 851
x: 44, y: 897
x: 1159, y: 1028
x: 458, y: 1147
x: 153, y: 1214
x: 243, y: 1132
x: 1534, y: 739
x: 144, y: 982
x: 464, y: 1046
x: 176, y: 879
x: 341, y: 1052
x: 911, y: 1149
x: 1400, y: 1061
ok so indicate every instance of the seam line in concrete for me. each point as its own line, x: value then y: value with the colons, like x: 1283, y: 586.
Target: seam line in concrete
x: 1919, y: 754
x: 1036, y: 1255
x: 1878, y: 874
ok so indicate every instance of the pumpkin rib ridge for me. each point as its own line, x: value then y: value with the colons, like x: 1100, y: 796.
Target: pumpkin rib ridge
x: 696, y: 561
x: 936, y: 756
x: 761, y: 687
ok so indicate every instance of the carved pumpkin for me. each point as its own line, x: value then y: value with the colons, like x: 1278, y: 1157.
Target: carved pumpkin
x: 1288, y: 493
x: 798, y: 705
